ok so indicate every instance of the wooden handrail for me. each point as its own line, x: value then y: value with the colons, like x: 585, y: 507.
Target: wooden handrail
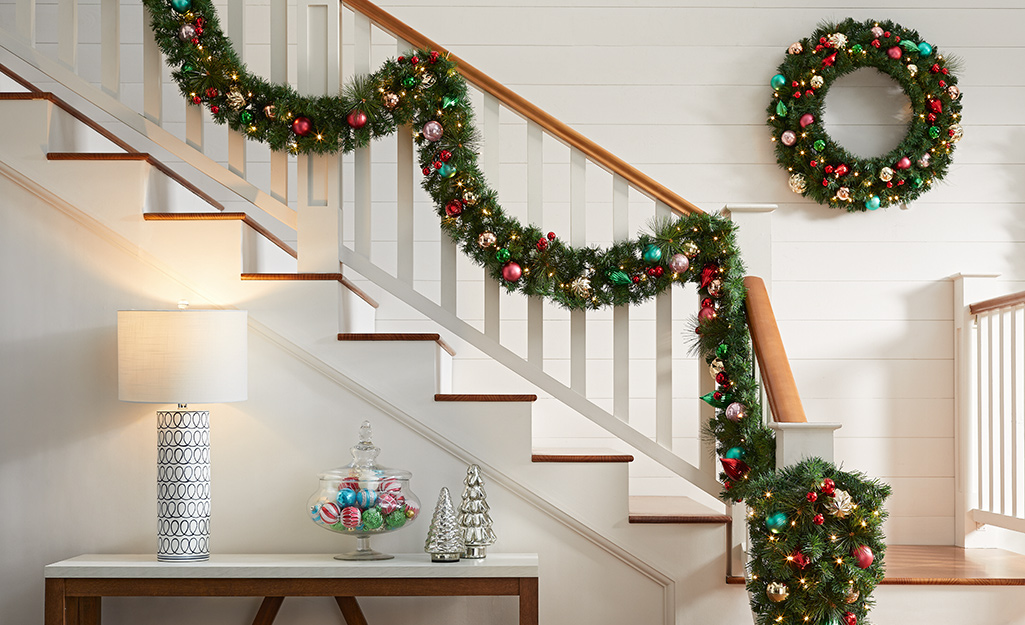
x: 597, y: 154
x: 777, y: 377
x: 1004, y: 301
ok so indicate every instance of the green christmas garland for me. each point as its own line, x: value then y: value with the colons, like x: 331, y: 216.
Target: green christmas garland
x: 424, y: 89
x: 823, y: 170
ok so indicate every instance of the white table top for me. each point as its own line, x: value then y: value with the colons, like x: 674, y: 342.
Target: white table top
x: 291, y: 566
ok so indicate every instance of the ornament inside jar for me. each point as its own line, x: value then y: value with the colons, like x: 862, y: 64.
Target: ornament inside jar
x: 364, y: 499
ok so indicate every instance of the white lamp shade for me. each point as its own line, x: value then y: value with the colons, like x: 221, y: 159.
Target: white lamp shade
x: 182, y: 357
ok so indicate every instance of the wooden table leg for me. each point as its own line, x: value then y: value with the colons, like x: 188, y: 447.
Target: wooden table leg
x: 54, y: 610
x: 528, y: 601
x: 351, y: 611
x: 89, y: 610
x: 268, y: 610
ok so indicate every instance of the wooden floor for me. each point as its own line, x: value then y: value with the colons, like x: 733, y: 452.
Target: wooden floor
x: 953, y: 566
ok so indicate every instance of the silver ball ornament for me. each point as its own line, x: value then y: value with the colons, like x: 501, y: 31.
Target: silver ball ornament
x: 433, y: 131
x: 843, y: 193
x: 679, y: 263
x: 487, y: 239
x: 886, y: 174
x: 924, y: 161
x: 187, y: 32
x: 797, y: 183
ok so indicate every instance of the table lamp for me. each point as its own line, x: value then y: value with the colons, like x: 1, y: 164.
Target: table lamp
x: 182, y: 357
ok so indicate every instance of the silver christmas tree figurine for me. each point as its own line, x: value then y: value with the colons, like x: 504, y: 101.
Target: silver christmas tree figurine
x: 444, y: 538
x: 473, y: 515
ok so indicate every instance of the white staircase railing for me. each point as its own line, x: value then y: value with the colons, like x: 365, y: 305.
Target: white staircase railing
x: 991, y: 408
x: 627, y: 370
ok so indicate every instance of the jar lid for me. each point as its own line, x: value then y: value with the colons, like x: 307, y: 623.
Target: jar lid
x: 363, y: 465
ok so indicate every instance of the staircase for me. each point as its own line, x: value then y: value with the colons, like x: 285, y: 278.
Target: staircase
x: 598, y: 526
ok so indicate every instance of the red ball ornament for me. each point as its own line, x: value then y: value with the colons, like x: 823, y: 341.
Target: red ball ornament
x: 211, y: 93
x: 721, y: 378
x: 215, y: 109
x: 196, y: 99
x: 863, y: 556
x: 903, y: 163
x: 551, y: 236
x: 542, y: 244
x: 811, y: 497
x: 195, y: 41
x: 894, y: 53
x: 707, y: 302
x: 357, y: 118
x: 875, y: 43
x: 444, y: 155
x: 841, y: 169
x: 800, y: 560
x: 650, y: 271
x: 302, y: 126
x: 199, y: 30
x: 438, y: 164
x: 427, y: 171
x: 931, y: 117
x: 814, y: 163
x: 935, y: 68
x: 850, y: 619
x: 454, y: 208
x: 819, y: 519
x: 401, y: 59
x: 512, y: 272
x: 636, y: 279
x: 414, y: 60
x: 828, y: 486
x: 828, y: 169
x: 434, y: 56
x: 706, y: 314
x: 659, y: 271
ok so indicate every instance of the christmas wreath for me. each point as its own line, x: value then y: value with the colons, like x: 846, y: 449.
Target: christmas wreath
x: 823, y: 170
x: 424, y: 89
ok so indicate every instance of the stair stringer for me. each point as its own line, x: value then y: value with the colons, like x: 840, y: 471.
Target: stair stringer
x: 616, y: 541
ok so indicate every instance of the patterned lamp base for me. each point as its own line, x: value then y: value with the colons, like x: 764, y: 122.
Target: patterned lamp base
x: 183, y: 485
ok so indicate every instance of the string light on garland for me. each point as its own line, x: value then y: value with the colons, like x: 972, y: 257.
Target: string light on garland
x: 897, y: 177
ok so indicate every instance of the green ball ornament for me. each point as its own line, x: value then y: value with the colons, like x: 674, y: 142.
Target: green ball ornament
x: 181, y: 5
x: 918, y: 182
x: 722, y: 350
x: 395, y: 519
x: 449, y: 101
x: 245, y: 117
x: 856, y: 48
x: 447, y: 171
x: 503, y: 255
x: 409, y: 82
x: 924, y: 49
x: 652, y: 254
x: 934, y: 132
x: 775, y: 522
x: 736, y: 453
x: 778, y: 81
x: 819, y: 145
x: 372, y: 518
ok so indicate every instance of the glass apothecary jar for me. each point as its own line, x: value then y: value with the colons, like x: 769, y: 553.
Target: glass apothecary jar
x: 364, y: 499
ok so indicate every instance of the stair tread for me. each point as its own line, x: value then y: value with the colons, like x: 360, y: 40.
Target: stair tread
x: 494, y: 397
x: 397, y: 336
x: 97, y: 156
x: 944, y: 565
x: 664, y: 509
x: 221, y: 216
x: 580, y: 455
x: 313, y: 277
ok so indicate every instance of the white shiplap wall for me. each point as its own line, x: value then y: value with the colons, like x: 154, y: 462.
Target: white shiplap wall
x: 678, y: 88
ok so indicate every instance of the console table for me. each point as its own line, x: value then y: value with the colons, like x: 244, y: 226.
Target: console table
x: 75, y: 587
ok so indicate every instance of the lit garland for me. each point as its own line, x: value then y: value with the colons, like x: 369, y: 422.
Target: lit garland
x: 816, y: 545
x: 424, y: 89
x: 824, y: 171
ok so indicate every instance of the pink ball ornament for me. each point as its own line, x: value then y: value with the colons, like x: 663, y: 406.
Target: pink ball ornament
x: 735, y: 412
x: 863, y: 556
x: 903, y: 163
x: 789, y: 138
x: 807, y: 120
x: 512, y: 272
x: 876, y: 31
x: 894, y: 53
x: 679, y: 263
x: 302, y: 126
x: 357, y: 118
x: 432, y: 131
x: 706, y: 314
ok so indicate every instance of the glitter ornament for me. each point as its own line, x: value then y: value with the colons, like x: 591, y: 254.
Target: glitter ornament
x: 390, y: 100
x: 245, y: 117
x: 797, y: 183
x: 395, y: 519
x: 373, y: 519
x: 433, y: 131
x: 502, y: 255
x: 409, y: 82
x: 840, y: 505
x: 581, y: 287
x: 876, y: 31
x: 776, y: 592
x: 469, y: 198
x: 691, y: 249
x: 679, y: 263
x: 487, y: 239
x: 924, y: 161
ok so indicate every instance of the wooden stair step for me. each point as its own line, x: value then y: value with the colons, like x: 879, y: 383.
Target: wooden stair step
x: 249, y: 221
x: 579, y: 455
x: 680, y: 510
x: 97, y: 156
x: 26, y: 95
x: 484, y: 397
x: 313, y: 277
x: 397, y: 336
x: 943, y: 565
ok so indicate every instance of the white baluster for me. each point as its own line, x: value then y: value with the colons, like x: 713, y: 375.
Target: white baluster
x: 362, y: 179
x: 25, y: 20
x: 406, y: 171
x: 489, y: 164
x: 152, y: 78
x: 236, y: 33
x: 67, y: 33
x: 621, y: 314
x: 664, y: 357
x: 535, y: 215
x: 279, y: 74
x: 110, y: 46
x: 578, y: 238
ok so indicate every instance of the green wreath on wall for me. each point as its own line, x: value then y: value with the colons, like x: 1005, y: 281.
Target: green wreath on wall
x: 823, y: 170
x: 424, y: 89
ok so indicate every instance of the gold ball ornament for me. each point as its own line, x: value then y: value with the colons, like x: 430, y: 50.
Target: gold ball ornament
x: 714, y: 287
x: 487, y: 239
x: 390, y: 100
x: 817, y: 81
x: 837, y: 40
x: 236, y: 100
x: 843, y: 193
x: 953, y: 92
x: 581, y: 287
x: 912, y: 69
x: 852, y: 595
x: 270, y: 111
x: 777, y: 591
x: 469, y: 198
x: 886, y: 174
x: 956, y: 133
x: 716, y: 367
x: 797, y: 183
x: 690, y: 249
x: 841, y: 504
x: 795, y: 48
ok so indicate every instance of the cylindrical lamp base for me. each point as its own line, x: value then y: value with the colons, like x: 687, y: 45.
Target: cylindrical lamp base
x: 183, y: 485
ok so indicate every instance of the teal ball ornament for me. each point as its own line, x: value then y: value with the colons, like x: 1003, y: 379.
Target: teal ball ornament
x: 775, y: 522
x: 736, y: 453
x: 652, y: 254
x: 924, y: 49
x: 873, y: 203
x: 778, y: 81
x: 181, y: 5
x: 447, y: 171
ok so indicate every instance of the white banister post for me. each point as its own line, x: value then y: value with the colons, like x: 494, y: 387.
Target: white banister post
x: 319, y: 185
x: 279, y: 74
x: 237, y: 36
x: 798, y: 441
x: 968, y: 288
